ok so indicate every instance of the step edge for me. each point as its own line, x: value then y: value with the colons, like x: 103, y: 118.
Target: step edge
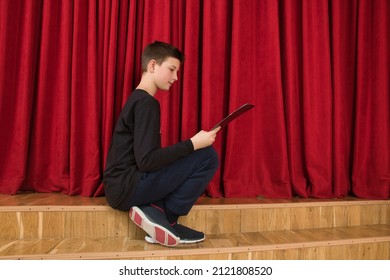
x: 196, y: 251
x: 81, y: 208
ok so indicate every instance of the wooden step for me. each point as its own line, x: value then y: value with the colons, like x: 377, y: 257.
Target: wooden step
x: 56, y: 216
x: 356, y: 242
x: 56, y: 226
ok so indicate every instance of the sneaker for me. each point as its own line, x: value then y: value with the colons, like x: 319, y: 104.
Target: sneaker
x: 154, y: 222
x: 150, y: 240
x: 187, y: 235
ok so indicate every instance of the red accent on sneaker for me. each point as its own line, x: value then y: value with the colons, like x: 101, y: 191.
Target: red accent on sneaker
x: 157, y: 207
x: 171, y: 241
x: 137, y: 219
x: 160, y: 235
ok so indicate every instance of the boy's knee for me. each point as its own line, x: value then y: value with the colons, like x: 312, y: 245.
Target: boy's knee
x: 212, y: 156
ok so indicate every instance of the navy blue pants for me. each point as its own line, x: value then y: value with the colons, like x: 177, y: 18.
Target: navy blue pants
x: 178, y: 185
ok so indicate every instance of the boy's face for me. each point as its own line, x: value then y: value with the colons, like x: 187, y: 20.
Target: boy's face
x: 166, y: 73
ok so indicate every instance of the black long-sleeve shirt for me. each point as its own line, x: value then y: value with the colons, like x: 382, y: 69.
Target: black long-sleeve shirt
x: 136, y: 147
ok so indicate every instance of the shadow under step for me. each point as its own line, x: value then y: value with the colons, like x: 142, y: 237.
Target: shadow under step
x: 357, y: 242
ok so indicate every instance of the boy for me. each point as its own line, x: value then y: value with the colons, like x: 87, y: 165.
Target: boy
x: 157, y: 184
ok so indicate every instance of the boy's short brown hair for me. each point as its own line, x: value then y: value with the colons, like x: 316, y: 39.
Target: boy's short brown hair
x: 159, y: 51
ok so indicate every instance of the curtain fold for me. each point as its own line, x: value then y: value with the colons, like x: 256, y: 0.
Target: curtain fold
x: 317, y: 71
x: 370, y: 169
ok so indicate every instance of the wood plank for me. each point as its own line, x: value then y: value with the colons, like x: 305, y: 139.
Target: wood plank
x: 10, y: 226
x: 367, y: 251
x: 29, y: 247
x: 57, y: 202
x: 88, y: 245
x: 114, y: 244
x: 346, y: 215
x: 112, y: 223
x: 226, y: 221
x: 272, y: 219
x: 57, y: 226
x: 66, y: 247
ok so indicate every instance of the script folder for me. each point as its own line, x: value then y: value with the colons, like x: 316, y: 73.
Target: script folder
x: 232, y: 116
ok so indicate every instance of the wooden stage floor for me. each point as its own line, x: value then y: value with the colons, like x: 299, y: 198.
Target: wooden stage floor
x: 58, y: 226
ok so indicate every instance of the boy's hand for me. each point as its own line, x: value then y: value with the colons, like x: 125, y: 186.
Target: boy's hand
x: 204, y: 139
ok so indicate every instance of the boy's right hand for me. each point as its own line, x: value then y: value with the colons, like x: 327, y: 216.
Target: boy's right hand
x: 204, y: 139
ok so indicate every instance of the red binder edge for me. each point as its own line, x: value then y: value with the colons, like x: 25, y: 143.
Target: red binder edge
x: 235, y: 114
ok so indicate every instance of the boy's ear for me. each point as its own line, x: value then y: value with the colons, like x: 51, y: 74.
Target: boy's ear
x: 151, y: 65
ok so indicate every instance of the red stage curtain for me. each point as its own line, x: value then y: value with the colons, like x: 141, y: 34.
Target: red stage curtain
x: 317, y: 71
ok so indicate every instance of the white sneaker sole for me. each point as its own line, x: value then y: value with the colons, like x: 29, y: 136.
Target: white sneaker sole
x: 160, y: 234
x: 151, y: 240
